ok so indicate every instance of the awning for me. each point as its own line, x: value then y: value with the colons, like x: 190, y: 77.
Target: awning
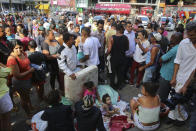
x: 113, y: 8
x: 43, y: 6
x: 113, y: 11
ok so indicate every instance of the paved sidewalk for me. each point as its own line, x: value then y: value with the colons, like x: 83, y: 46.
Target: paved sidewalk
x: 18, y: 119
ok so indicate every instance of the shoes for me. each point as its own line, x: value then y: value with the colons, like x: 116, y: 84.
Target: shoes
x: 131, y: 84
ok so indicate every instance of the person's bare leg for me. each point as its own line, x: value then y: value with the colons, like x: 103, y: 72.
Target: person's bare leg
x: 133, y: 104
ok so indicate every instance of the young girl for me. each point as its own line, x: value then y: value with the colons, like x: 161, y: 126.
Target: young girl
x: 146, y: 108
x: 90, y: 89
x: 108, y: 109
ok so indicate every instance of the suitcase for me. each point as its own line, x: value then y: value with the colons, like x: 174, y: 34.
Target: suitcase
x: 73, y: 88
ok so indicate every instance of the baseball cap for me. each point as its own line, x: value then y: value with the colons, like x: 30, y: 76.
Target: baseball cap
x: 157, y: 36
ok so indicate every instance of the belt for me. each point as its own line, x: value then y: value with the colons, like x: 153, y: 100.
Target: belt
x: 150, y: 124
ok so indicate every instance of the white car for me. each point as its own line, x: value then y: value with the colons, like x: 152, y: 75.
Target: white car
x: 170, y: 26
x: 145, y: 20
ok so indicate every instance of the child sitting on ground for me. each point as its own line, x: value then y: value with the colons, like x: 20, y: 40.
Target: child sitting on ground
x: 146, y: 108
x: 108, y: 109
x: 90, y: 89
x: 59, y: 116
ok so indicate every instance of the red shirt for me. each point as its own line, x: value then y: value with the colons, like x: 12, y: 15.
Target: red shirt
x: 24, y: 65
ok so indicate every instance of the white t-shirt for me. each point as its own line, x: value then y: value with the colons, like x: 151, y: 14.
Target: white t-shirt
x: 186, y: 58
x: 46, y: 25
x: 137, y: 56
x: 91, y: 48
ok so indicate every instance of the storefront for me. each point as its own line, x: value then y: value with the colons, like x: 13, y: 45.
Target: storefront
x: 107, y: 8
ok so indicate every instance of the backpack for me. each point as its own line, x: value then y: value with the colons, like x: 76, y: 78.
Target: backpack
x: 38, y: 59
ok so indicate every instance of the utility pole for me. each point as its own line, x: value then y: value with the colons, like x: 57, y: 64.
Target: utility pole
x: 10, y: 1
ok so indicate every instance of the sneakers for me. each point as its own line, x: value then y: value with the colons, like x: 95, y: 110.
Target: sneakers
x: 131, y: 84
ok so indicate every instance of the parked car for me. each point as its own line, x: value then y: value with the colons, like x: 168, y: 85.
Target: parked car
x: 145, y: 20
x: 170, y: 26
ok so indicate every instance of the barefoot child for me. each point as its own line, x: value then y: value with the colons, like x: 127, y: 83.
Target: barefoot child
x: 108, y: 109
x: 146, y: 108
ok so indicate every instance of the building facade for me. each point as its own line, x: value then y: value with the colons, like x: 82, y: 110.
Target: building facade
x: 18, y: 5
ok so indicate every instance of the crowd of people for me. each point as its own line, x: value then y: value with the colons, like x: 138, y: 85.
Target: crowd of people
x: 129, y: 53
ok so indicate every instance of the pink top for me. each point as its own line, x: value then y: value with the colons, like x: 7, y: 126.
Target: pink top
x: 165, y: 33
x: 87, y: 92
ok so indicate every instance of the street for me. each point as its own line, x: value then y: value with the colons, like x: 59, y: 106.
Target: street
x: 127, y: 93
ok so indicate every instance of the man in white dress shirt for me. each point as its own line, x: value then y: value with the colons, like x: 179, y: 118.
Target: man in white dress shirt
x: 185, y: 64
x: 67, y: 60
x: 129, y: 53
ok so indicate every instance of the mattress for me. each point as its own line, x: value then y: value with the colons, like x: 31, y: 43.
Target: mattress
x: 73, y: 88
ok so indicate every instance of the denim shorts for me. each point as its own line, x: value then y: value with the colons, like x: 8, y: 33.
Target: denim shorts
x: 148, y: 74
x: 5, y: 103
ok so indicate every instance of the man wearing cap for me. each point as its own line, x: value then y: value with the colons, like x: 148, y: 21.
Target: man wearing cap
x: 152, y: 58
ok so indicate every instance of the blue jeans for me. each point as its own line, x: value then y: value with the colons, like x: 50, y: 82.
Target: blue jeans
x: 148, y: 74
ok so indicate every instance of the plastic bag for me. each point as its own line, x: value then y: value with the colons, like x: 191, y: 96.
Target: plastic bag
x: 37, y: 124
x: 119, y: 123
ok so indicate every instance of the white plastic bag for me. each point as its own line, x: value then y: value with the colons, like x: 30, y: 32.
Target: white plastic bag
x: 37, y: 124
